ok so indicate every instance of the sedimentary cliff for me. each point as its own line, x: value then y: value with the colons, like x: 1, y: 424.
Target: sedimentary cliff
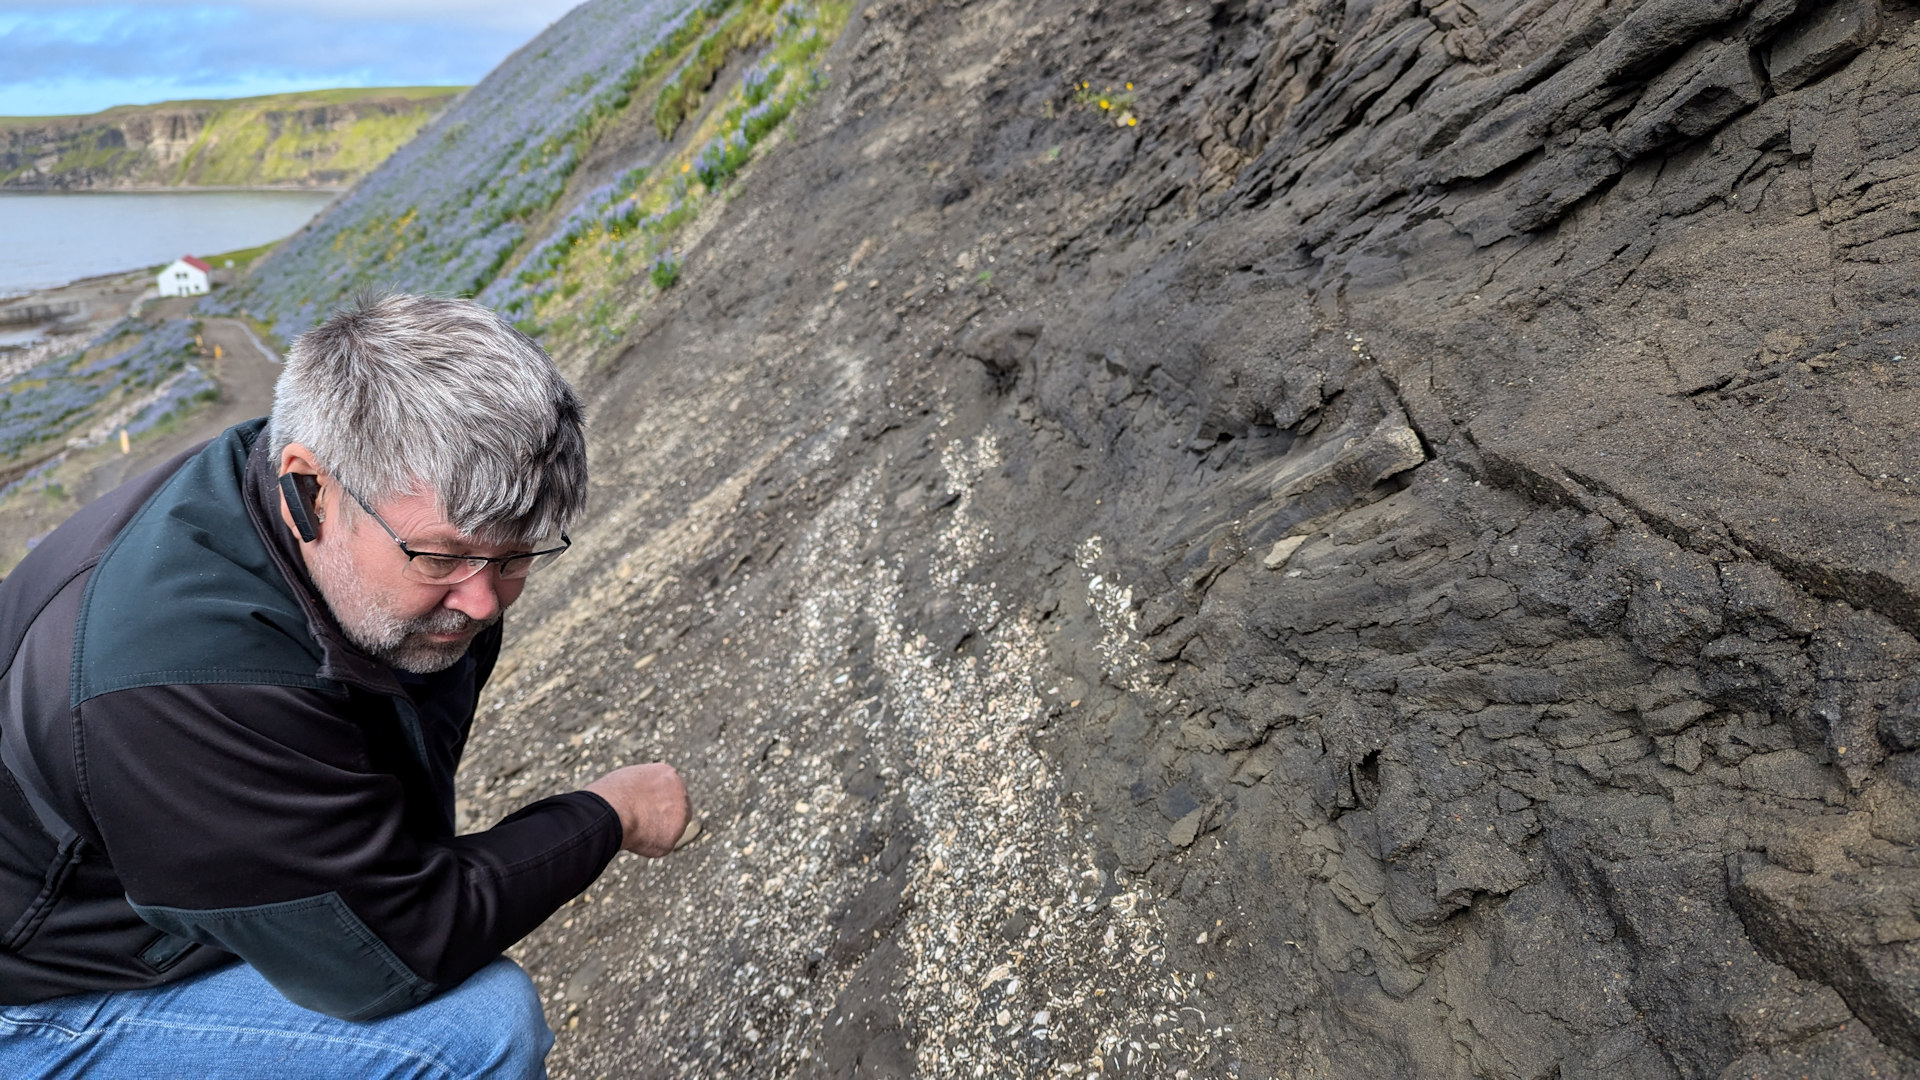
x: 318, y: 139
x: 1233, y: 538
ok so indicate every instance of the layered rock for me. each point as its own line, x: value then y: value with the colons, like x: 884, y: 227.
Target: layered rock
x: 1265, y: 538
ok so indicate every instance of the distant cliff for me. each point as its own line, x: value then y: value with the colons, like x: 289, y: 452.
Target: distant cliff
x: 315, y: 139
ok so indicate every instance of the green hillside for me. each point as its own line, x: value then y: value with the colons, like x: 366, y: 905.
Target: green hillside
x: 306, y: 139
x: 566, y: 189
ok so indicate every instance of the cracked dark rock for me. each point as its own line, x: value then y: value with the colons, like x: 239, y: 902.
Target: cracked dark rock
x: 1568, y: 346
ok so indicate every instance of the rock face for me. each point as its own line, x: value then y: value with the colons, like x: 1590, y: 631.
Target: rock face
x: 327, y: 138
x: 1259, y: 538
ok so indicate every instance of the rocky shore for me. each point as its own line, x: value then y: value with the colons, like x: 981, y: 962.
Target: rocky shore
x: 74, y: 308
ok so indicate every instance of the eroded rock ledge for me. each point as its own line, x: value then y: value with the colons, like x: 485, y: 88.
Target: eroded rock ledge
x: 1398, y: 563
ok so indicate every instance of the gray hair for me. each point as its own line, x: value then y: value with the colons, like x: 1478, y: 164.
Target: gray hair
x: 407, y: 395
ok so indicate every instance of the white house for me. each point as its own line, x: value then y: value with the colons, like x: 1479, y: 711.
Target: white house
x: 187, y: 276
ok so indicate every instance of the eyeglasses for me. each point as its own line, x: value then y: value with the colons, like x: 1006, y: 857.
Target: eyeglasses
x: 437, y: 568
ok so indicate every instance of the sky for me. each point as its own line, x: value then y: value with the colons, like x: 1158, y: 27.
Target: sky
x: 60, y: 57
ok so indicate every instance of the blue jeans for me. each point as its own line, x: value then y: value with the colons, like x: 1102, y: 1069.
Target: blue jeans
x: 232, y: 1024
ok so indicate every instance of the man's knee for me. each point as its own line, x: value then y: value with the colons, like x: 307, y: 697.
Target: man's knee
x: 498, y: 1020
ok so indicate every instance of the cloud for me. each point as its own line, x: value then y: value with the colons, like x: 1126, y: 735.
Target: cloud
x: 81, y: 58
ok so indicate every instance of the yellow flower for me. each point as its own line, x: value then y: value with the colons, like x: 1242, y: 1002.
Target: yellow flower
x: 1129, y: 86
x: 1085, y: 85
x: 1131, y: 121
x: 1105, y: 104
x: 686, y: 166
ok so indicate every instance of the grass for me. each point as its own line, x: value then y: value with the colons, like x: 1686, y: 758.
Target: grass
x: 665, y: 271
x: 648, y: 68
x: 510, y: 218
x: 1106, y: 98
x: 241, y: 148
x: 241, y: 259
x: 1116, y: 103
x: 521, y: 196
x: 562, y: 287
x: 682, y: 94
x: 57, y: 479
x: 64, y: 394
x: 171, y: 421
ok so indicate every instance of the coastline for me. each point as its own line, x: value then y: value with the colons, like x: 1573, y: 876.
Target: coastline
x: 95, y: 300
x: 74, y: 242
x: 15, y: 307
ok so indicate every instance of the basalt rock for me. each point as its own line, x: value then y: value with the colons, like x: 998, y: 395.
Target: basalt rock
x: 1404, y: 566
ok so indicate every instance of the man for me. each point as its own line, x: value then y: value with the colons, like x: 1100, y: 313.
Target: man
x: 235, y: 692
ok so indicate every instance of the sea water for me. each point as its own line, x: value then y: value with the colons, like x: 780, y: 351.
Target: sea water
x: 51, y: 238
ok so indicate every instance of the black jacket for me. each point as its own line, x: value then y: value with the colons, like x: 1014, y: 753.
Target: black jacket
x: 199, y: 766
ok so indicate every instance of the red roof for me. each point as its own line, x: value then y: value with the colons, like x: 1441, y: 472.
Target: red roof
x: 197, y: 263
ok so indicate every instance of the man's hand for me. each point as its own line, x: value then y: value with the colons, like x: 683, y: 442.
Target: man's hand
x: 652, y: 804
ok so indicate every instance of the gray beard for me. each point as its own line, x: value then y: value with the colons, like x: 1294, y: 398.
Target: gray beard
x: 404, y: 644
x: 395, y: 642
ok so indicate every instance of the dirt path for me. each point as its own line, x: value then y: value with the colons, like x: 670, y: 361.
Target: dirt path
x: 245, y: 372
x: 243, y: 367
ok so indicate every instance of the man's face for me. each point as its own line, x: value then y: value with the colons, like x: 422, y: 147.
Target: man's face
x: 406, y: 624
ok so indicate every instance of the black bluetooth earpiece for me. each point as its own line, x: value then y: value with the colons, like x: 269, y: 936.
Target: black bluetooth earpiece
x: 303, y: 503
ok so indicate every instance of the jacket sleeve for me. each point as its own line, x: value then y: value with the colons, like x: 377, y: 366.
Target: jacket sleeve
x: 249, y: 817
